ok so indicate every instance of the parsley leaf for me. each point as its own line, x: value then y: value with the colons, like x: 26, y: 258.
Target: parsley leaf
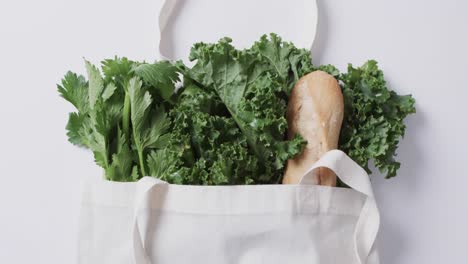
x: 161, y: 76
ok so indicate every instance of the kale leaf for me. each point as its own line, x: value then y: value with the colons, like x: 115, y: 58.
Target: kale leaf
x: 253, y: 85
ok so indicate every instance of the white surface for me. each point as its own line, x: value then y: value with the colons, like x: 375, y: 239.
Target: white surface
x: 421, y: 45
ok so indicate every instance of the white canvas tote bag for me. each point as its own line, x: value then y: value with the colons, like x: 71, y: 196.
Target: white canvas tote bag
x: 152, y: 222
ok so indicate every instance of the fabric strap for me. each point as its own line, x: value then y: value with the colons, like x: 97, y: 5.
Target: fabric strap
x: 165, y: 12
x: 357, y: 178
x: 167, y: 8
x: 142, y: 200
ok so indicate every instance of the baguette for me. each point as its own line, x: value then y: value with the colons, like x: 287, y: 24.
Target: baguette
x: 315, y: 111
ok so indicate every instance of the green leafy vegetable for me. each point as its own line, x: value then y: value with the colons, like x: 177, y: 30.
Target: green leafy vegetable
x: 147, y: 132
x: 209, y: 146
x: 116, y: 117
x: 253, y: 85
x: 226, y: 124
x: 161, y: 76
x: 74, y: 89
x: 122, y: 162
x: 373, y: 122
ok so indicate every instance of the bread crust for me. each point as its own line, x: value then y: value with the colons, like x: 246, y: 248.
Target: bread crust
x: 315, y: 111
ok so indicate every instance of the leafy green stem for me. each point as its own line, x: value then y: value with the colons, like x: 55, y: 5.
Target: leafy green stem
x: 126, y: 116
x: 142, y: 162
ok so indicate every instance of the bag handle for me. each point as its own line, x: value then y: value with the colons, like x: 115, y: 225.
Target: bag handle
x: 167, y: 8
x: 357, y: 178
x: 142, y: 200
x: 165, y: 12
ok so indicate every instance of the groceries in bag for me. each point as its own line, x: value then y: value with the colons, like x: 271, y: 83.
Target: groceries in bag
x: 228, y: 123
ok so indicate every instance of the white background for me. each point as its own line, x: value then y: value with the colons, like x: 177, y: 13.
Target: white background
x: 421, y: 45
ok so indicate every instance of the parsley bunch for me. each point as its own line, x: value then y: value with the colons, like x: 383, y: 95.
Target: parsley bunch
x: 121, y: 114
